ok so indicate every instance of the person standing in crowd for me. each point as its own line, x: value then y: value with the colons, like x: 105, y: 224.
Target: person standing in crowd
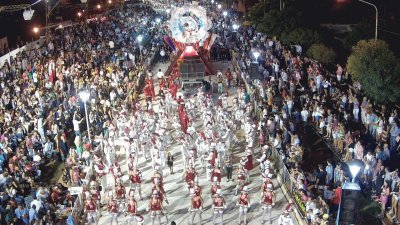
x: 285, y: 219
x: 170, y: 162
x: 228, y: 167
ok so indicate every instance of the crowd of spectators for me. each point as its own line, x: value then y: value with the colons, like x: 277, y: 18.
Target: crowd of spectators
x: 42, y: 119
x: 292, y: 92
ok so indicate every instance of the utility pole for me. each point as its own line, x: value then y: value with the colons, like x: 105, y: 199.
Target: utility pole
x: 376, y: 17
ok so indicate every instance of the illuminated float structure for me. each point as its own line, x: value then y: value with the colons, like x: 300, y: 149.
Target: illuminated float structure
x: 191, y: 41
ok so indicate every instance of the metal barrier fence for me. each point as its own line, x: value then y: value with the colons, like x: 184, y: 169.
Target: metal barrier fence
x: 287, y: 180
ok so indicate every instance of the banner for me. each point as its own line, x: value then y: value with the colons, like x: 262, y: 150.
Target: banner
x: 171, y: 44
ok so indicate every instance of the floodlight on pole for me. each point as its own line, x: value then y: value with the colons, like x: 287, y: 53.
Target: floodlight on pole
x: 225, y: 13
x: 355, y: 166
x: 139, y: 38
x: 109, y: 2
x: 219, y: 6
x: 84, y: 96
x: 99, y: 6
x: 256, y: 55
x: 212, y: 1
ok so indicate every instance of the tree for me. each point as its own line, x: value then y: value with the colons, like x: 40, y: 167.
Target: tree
x: 275, y: 22
x: 301, y: 36
x: 257, y: 12
x: 321, y: 53
x: 377, y: 69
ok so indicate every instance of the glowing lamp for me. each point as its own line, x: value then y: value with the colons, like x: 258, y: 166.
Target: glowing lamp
x: 355, y: 166
x: 256, y: 55
x: 28, y: 14
x: 139, y: 38
x: 84, y: 96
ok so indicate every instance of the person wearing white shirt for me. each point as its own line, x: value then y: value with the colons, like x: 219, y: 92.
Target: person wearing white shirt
x: 160, y: 74
x: 37, y: 203
x: 285, y: 219
x: 76, y: 124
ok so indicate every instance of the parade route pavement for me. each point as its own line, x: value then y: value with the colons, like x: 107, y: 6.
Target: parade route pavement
x: 178, y: 194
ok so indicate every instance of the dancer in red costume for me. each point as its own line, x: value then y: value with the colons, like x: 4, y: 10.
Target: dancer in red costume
x: 132, y: 212
x: 173, y: 88
x: 244, y: 204
x: 196, y: 206
x: 155, y: 208
x: 113, y: 210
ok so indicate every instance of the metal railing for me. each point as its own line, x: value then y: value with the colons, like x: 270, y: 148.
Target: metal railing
x: 287, y: 181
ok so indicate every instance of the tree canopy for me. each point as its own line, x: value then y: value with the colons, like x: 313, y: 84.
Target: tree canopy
x: 268, y: 19
x: 301, y: 36
x: 321, y: 52
x: 377, y: 69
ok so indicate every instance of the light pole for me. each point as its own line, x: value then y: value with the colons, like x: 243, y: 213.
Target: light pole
x: 140, y: 39
x: 86, y: 8
x: 355, y: 166
x: 85, y: 95
x: 349, y: 202
x: 376, y: 17
x: 256, y: 55
x: 235, y: 27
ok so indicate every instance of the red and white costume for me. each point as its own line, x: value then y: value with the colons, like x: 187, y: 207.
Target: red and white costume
x: 100, y: 168
x: 135, y: 178
x: 132, y: 211
x: 244, y: 204
x: 196, y: 206
x: 113, y: 210
x: 218, y: 206
x: 155, y: 208
x: 91, y: 210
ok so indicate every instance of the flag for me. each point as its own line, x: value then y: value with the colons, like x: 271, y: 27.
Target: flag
x: 169, y: 41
